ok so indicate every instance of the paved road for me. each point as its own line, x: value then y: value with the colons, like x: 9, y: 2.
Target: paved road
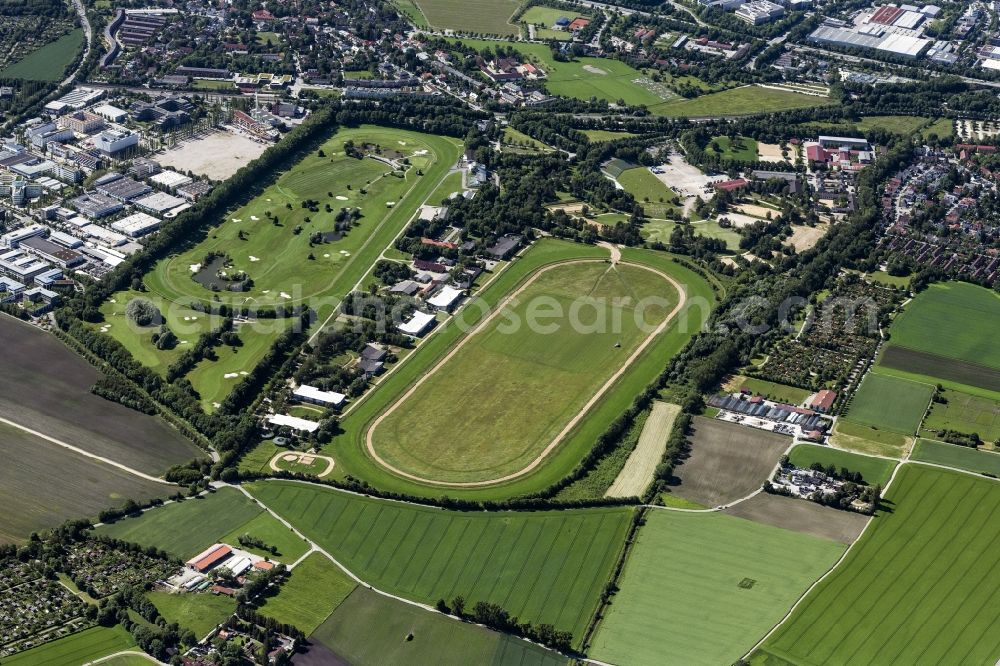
x: 88, y: 33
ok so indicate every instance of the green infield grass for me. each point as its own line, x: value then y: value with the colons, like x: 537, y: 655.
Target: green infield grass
x: 49, y: 62
x: 370, y: 629
x: 476, y: 16
x: 200, y: 612
x: 526, y: 359
x: 655, y: 197
x: 743, y: 101
x: 873, y: 470
x: 186, y: 528
x: 314, y: 589
x: 349, y: 448
x: 965, y: 413
x: 288, y: 547
x: 543, y: 567
x: 743, y: 150
x: 960, y: 457
x: 703, y: 588
x: 919, y: 587
x: 76, y: 649
x: 890, y: 403
x: 451, y: 184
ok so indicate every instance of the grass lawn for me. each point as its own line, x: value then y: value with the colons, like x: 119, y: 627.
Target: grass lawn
x: 600, y: 136
x: 212, y: 84
x: 49, y: 62
x: 792, y: 395
x: 76, y: 649
x: 960, y: 457
x: 965, y: 413
x: 265, y: 37
x: 648, y: 190
x: 865, y: 439
x: 451, y: 184
x: 660, y: 230
x: 200, y: 612
x: 708, y: 586
x: 889, y: 280
x: 314, y: 589
x: 513, y: 137
x: 743, y: 150
x: 547, y: 16
x: 890, y: 403
x: 258, y: 458
x: 526, y: 359
x: 273, y: 533
x: 369, y: 628
x: 349, y: 448
x: 919, y: 587
x: 873, y: 470
x: 894, y: 124
x: 412, y: 11
x: 479, y: 16
x: 170, y: 527
x: 542, y: 566
x: 743, y: 101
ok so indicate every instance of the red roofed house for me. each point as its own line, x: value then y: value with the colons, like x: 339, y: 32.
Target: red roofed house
x: 263, y: 15
x: 263, y: 565
x: 822, y: 401
x: 208, y: 558
x: 730, y: 185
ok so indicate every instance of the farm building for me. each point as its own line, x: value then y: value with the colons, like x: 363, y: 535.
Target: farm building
x: 445, y: 299
x: 293, y: 422
x: 418, y: 324
x: 371, y: 368
x: 822, y: 401
x: 504, y: 247
x: 209, y: 557
x: 315, y: 396
x: 373, y: 352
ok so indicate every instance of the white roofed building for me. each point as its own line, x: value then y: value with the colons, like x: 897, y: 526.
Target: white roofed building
x: 311, y: 394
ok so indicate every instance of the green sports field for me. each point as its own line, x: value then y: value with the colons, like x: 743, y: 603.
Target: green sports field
x: 186, y: 528
x: 890, y: 403
x: 476, y: 16
x: 960, y: 457
x: 965, y: 413
x: 200, y: 612
x: 76, y: 649
x: 544, y: 566
x: 873, y: 470
x: 744, y: 150
x: 703, y: 588
x: 314, y: 589
x: 438, y: 432
x: 600, y: 136
x: 49, y: 62
x: 369, y: 629
x: 920, y: 587
x: 792, y: 395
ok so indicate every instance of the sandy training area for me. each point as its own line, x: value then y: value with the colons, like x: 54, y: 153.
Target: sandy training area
x: 642, y: 462
x: 771, y: 152
x: 497, y: 312
x: 302, y: 459
x: 217, y: 155
x: 804, y: 237
x: 758, y: 211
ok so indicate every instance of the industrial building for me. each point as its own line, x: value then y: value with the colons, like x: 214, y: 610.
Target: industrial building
x: 759, y: 11
x: 136, y: 225
x: 872, y: 37
x: 315, y: 396
x: 114, y: 141
x: 96, y: 205
x: 122, y: 188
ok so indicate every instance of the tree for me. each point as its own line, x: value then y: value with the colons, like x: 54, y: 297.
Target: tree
x: 142, y: 312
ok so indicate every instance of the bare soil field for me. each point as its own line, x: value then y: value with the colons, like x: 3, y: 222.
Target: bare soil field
x: 726, y: 462
x: 931, y: 365
x: 46, y: 388
x: 217, y: 155
x: 801, y: 516
x: 771, y: 152
x: 42, y: 485
x: 758, y: 211
x: 804, y: 237
x: 639, y: 468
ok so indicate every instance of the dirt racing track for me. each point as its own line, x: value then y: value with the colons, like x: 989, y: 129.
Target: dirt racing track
x: 572, y: 423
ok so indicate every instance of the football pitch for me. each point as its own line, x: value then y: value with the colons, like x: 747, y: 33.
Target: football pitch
x: 543, y: 567
x: 890, y: 403
x: 920, y: 587
x: 509, y: 365
x: 703, y: 588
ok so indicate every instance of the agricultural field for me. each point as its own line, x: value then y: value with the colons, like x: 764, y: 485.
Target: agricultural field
x: 264, y: 527
x: 472, y: 16
x: 412, y: 12
x: 746, y: 100
x: 369, y: 629
x: 57, y: 376
x: 313, y: 590
x: 553, y: 567
x: 936, y: 339
x: 79, y: 648
x: 799, y: 515
x: 703, y: 588
x: 890, y: 403
x: 867, y: 440
x: 350, y: 450
x: 217, y: 514
x: 417, y: 437
x: 599, y: 480
x: 200, y: 612
x: 961, y: 457
x: 49, y: 62
x: 744, y: 149
x: 35, y: 502
x: 874, y: 471
x: 919, y: 587
x: 727, y: 461
x: 637, y: 474
x: 965, y: 413
x: 792, y: 395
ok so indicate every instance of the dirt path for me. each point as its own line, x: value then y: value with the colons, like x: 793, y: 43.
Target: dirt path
x: 369, y: 435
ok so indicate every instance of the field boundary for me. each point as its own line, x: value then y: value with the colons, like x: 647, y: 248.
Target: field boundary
x: 668, y: 320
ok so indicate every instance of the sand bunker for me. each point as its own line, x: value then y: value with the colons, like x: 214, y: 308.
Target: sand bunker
x: 237, y: 219
x: 594, y: 70
x: 195, y: 268
x: 326, y: 256
x: 253, y: 258
x: 284, y: 295
x: 230, y: 375
x: 420, y: 152
x: 254, y: 218
x: 341, y: 197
